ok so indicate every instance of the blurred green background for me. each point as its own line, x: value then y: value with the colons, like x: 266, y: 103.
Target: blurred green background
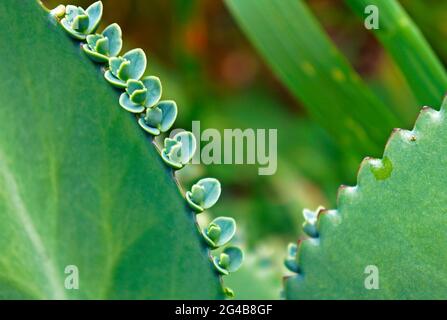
x: 208, y: 65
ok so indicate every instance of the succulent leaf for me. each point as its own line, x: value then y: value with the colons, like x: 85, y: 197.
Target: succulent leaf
x: 220, y: 231
x: 310, y: 222
x: 204, y: 194
x: 224, y: 260
x: 393, y: 220
x: 213, y: 232
x: 137, y: 66
x: 69, y: 29
x: 102, y: 47
x: 290, y: 262
x: 94, y: 13
x: 71, y: 12
x: 159, y: 118
x: 108, y: 75
x: 79, y: 23
x: 129, y: 67
x: 124, y: 71
x: 115, y: 64
x: 133, y: 85
x: 179, y: 150
x: 229, y: 260
x: 129, y: 105
x: 114, y: 34
x: 153, y: 85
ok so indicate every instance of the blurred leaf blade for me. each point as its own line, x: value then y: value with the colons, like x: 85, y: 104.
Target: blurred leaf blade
x: 296, y: 48
x: 406, y: 44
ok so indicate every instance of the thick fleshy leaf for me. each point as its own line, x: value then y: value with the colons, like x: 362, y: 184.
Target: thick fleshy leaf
x: 227, y: 230
x: 154, y: 117
x: 211, y: 193
x: 197, y: 194
x: 80, y: 23
x: 92, y: 39
x: 290, y: 262
x: 169, y: 114
x: 139, y: 96
x: 93, y: 55
x: 94, y: 13
x: 153, y: 85
x: 149, y: 129
x: 114, y: 34
x: 115, y: 64
x: 188, y: 146
x: 124, y: 71
x: 133, y: 85
x: 151, y: 121
x: 102, y: 46
x: 387, y: 239
x: 137, y: 91
x: 310, y: 222
x: 71, y: 12
x: 233, y: 260
x: 137, y: 66
x: 80, y: 185
x: 159, y: 118
x: 171, y: 157
x: 128, y: 105
x: 68, y: 28
x: 114, y: 80
x: 179, y: 150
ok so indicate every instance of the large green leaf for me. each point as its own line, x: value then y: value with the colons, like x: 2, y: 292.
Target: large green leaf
x: 294, y: 45
x: 403, y: 40
x: 80, y: 183
x: 394, y: 219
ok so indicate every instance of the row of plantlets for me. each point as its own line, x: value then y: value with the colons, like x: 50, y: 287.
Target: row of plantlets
x: 142, y: 97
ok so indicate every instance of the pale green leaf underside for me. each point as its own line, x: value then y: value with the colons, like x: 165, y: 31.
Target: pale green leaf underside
x: 80, y: 182
x: 394, y: 219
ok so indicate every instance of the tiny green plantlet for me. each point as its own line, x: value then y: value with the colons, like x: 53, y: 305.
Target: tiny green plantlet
x: 101, y: 47
x: 142, y: 94
x: 229, y: 293
x: 204, y: 194
x: 131, y: 66
x: 179, y: 150
x: 219, y: 232
x: 229, y: 260
x: 159, y: 118
x: 290, y: 261
x: 310, y: 222
x: 79, y: 23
